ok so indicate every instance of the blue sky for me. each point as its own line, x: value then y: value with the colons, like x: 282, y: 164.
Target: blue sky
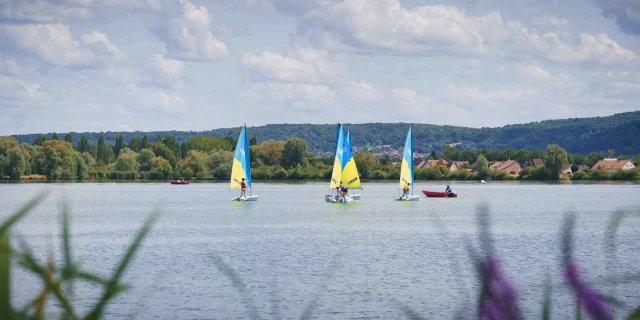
x: 100, y: 65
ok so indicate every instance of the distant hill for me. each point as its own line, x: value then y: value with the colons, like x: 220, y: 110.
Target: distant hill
x: 578, y: 135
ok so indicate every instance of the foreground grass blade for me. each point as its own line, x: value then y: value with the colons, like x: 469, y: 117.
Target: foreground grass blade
x: 68, y: 270
x: 546, y: 304
x: 237, y: 284
x: 635, y: 315
x: 408, y: 312
x: 308, y: 311
x: 114, y: 287
x: 6, y: 310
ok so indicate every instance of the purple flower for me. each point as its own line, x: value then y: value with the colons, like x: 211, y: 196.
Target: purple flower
x: 588, y: 298
x: 502, y: 296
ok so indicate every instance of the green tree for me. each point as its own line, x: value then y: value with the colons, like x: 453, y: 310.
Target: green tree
x: 554, y: 159
x: 127, y: 162
x: 594, y: 157
x: 40, y: 141
x: 537, y: 154
x: 172, y: 144
x: 433, y: 155
x: 16, y: 163
x: 509, y: 154
x: 623, y: 157
x: 636, y: 160
x: 160, y: 150
x: 580, y: 159
x: 184, y: 149
x: 83, y: 144
x: 108, y: 155
x: 194, y: 165
x: 366, y: 162
x: 451, y: 153
x: 270, y: 152
x: 219, y: 164
x: 119, y: 144
x: 55, y: 158
x: 145, y: 142
x: 482, y: 166
x: 160, y: 168
x: 68, y: 138
x: 144, y: 159
x: 294, y: 153
x: 385, y: 160
x: 611, y: 153
x: 101, y: 150
x: 134, y: 144
x: 523, y: 155
x: 54, y: 136
x: 81, y: 165
x: 94, y: 150
x: 253, y: 141
x: 232, y: 142
x: 207, y: 144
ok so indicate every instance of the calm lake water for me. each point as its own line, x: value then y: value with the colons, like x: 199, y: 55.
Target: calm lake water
x: 356, y: 261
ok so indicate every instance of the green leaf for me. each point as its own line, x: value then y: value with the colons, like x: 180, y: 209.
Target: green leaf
x: 113, y: 288
x: 635, y: 315
x: 237, y: 284
x: 6, y: 311
x: 22, y: 212
x: 546, y: 304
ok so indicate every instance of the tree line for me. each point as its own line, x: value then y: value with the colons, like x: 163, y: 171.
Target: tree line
x: 579, y: 135
x: 210, y: 158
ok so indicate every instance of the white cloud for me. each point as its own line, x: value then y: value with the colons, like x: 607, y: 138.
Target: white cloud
x: 405, y: 96
x: 386, y: 26
x: 9, y: 66
x: 15, y: 89
x: 153, y: 100
x: 100, y: 42
x: 363, y: 90
x: 187, y: 35
x: 295, y: 92
x: 41, y: 11
x: 550, y: 21
x: 54, y: 45
x: 302, y: 65
x: 541, y: 75
x: 165, y: 71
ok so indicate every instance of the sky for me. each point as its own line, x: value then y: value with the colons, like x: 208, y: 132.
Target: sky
x: 127, y: 65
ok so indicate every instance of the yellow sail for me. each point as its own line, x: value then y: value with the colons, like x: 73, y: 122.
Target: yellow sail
x: 241, y: 162
x: 350, y: 177
x: 336, y: 175
x: 406, y: 170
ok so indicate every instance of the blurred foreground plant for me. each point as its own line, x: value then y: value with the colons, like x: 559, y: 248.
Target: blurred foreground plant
x: 57, y: 280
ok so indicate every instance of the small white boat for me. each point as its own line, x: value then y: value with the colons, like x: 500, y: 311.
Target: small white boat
x: 248, y: 198
x: 406, y: 170
x: 410, y: 197
x: 241, y: 168
x: 483, y: 182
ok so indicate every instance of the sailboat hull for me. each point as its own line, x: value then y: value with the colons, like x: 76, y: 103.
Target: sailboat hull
x: 242, y: 199
x: 407, y: 198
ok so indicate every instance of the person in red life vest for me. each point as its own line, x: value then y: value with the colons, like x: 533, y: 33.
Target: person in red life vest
x: 243, y: 187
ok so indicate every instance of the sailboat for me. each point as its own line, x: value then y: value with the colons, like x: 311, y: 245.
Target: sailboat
x: 242, y: 167
x: 350, y: 177
x: 338, y: 166
x: 406, y: 171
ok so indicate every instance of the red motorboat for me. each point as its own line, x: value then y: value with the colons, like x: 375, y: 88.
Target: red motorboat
x: 179, y: 182
x: 433, y: 194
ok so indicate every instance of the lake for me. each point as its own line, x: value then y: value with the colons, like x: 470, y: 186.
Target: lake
x: 356, y: 261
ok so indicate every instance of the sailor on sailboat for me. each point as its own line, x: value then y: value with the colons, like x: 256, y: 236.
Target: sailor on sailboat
x: 241, y: 170
x: 406, y: 171
x: 336, y: 175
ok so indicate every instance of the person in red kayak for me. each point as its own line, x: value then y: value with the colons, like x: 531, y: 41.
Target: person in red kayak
x: 243, y: 187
